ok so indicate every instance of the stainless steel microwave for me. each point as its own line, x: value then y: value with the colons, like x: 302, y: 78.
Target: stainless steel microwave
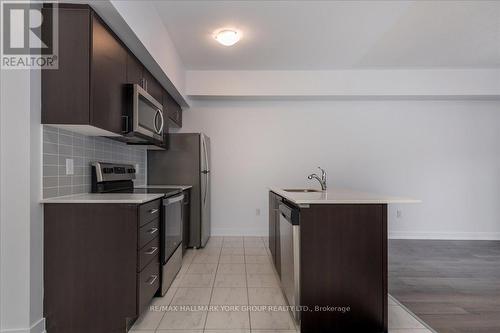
x: 143, y: 121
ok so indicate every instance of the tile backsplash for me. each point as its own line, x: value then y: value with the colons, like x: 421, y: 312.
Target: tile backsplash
x: 59, y: 145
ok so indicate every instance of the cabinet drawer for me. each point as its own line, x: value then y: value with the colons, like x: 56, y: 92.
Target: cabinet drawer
x: 149, y: 252
x: 148, y: 282
x: 148, y: 232
x: 149, y: 211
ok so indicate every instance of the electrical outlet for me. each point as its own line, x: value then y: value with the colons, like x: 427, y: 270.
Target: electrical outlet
x: 257, y: 211
x: 69, y: 166
x: 399, y: 213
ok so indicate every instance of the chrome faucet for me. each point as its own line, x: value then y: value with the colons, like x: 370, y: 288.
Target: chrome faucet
x: 321, y: 180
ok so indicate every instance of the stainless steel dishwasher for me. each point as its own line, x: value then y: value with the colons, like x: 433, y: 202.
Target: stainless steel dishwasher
x: 290, y: 258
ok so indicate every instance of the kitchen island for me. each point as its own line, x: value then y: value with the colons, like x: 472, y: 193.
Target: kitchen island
x: 330, y: 250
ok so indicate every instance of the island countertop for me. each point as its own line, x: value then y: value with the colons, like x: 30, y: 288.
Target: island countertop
x: 339, y: 196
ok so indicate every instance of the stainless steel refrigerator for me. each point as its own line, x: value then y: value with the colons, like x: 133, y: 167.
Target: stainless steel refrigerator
x: 186, y: 162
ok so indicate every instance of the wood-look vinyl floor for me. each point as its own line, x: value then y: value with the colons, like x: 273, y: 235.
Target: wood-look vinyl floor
x: 454, y: 286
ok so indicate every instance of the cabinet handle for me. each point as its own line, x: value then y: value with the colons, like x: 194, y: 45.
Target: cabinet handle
x: 152, y: 250
x: 152, y: 279
x: 152, y: 230
x: 125, y: 124
x: 153, y: 211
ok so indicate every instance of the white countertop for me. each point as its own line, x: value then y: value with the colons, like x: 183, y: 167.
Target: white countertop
x: 131, y: 198
x: 339, y: 196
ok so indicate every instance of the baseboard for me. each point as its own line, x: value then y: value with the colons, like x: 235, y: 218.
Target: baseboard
x: 417, y: 318
x: 238, y: 232
x: 38, y: 327
x: 392, y: 234
x: 445, y: 235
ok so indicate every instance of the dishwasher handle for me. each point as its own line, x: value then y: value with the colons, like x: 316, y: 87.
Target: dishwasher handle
x: 172, y: 200
x: 291, y: 214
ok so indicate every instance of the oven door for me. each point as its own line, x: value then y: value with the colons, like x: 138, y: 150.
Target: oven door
x: 147, y: 115
x: 171, y: 226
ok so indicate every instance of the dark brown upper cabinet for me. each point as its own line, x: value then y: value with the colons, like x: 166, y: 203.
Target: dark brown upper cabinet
x: 173, y: 110
x: 88, y: 87
x: 135, y: 70
x: 108, y: 75
x: 137, y: 74
x: 153, y: 87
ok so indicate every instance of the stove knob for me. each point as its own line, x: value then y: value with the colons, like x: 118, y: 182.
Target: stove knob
x: 107, y: 170
x: 119, y: 170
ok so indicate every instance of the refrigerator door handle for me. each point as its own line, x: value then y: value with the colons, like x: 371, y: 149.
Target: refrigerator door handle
x: 205, y: 191
x: 207, y: 167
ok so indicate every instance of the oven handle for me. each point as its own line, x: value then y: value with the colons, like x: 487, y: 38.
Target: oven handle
x: 172, y: 200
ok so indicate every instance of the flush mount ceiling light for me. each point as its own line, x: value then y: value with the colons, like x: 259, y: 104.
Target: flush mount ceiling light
x: 227, y: 37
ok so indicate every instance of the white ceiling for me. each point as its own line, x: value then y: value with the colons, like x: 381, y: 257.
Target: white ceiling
x: 315, y: 35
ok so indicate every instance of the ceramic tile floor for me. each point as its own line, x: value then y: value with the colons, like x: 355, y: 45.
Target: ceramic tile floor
x: 220, y: 280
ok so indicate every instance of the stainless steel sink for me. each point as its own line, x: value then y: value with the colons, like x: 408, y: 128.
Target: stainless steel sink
x: 301, y: 190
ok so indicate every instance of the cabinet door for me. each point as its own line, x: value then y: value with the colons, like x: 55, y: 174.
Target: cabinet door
x: 108, y: 76
x: 165, y: 113
x: 153, y: 87
x: 175, y: 113
x: 134, y: 70
x: 90, y: 258
x: 177, y: 116
x: 65, y: 91
x: 272, y: 226
x: 173, y: 110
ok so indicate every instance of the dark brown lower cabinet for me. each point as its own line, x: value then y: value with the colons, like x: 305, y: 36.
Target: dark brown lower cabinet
x: 274, y: 231
x: 343, y: 267
x: 101, y: 269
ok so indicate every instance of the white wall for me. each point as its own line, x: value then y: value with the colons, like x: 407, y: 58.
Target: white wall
x: 21, y: 282
x: 446, y: 153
